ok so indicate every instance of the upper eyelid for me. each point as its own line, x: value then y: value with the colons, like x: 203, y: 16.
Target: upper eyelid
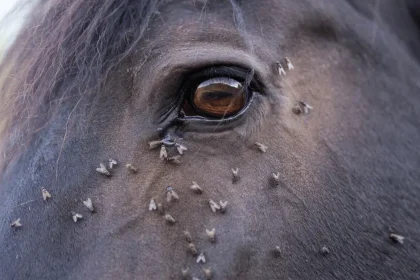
x: 178, y: 62
x: 220, y: 71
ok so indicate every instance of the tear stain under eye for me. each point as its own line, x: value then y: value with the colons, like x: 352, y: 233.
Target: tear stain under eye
x: 171, y: 128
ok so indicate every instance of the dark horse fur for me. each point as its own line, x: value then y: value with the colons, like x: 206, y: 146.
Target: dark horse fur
x: 89, y: 80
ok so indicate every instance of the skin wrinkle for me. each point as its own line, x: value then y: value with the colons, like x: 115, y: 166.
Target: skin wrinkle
x: 348, y: 170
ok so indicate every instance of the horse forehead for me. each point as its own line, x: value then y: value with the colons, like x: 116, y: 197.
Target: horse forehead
x: 188, y: 31
x: 221, y: 21
x: 257, y: 14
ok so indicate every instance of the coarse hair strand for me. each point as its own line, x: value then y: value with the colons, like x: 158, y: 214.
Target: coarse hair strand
x: 64, y: 46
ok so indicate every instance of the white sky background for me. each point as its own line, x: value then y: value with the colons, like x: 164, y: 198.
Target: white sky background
x: 10, y: 22
x: 6, y: 6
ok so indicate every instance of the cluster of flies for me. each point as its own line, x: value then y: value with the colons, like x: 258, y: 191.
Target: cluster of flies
x: 87, y: 203
x: 75, y: 216
x: 168, y: 145
x: 287, y: 63
x: 171, y: 195
x: 215, y: 206
x: 300, y: 107
x: 102, y: 169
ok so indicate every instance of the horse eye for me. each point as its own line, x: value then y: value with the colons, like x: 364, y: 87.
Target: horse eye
x: 216, y: 98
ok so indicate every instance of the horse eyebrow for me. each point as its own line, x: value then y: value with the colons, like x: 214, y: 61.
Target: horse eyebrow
x: 176, y: 64
x: 203, y: 55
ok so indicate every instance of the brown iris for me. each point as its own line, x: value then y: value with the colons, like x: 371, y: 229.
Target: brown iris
x: 217, y: 97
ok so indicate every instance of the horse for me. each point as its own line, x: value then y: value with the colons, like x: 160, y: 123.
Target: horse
x: 234, y: 139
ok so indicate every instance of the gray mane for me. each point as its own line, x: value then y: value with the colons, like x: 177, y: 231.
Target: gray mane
x: 65, y: 49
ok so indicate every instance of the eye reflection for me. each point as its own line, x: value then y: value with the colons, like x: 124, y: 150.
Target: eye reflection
x: 217, y: 98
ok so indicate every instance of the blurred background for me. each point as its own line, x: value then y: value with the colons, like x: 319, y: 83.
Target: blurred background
x: 12, y: 15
